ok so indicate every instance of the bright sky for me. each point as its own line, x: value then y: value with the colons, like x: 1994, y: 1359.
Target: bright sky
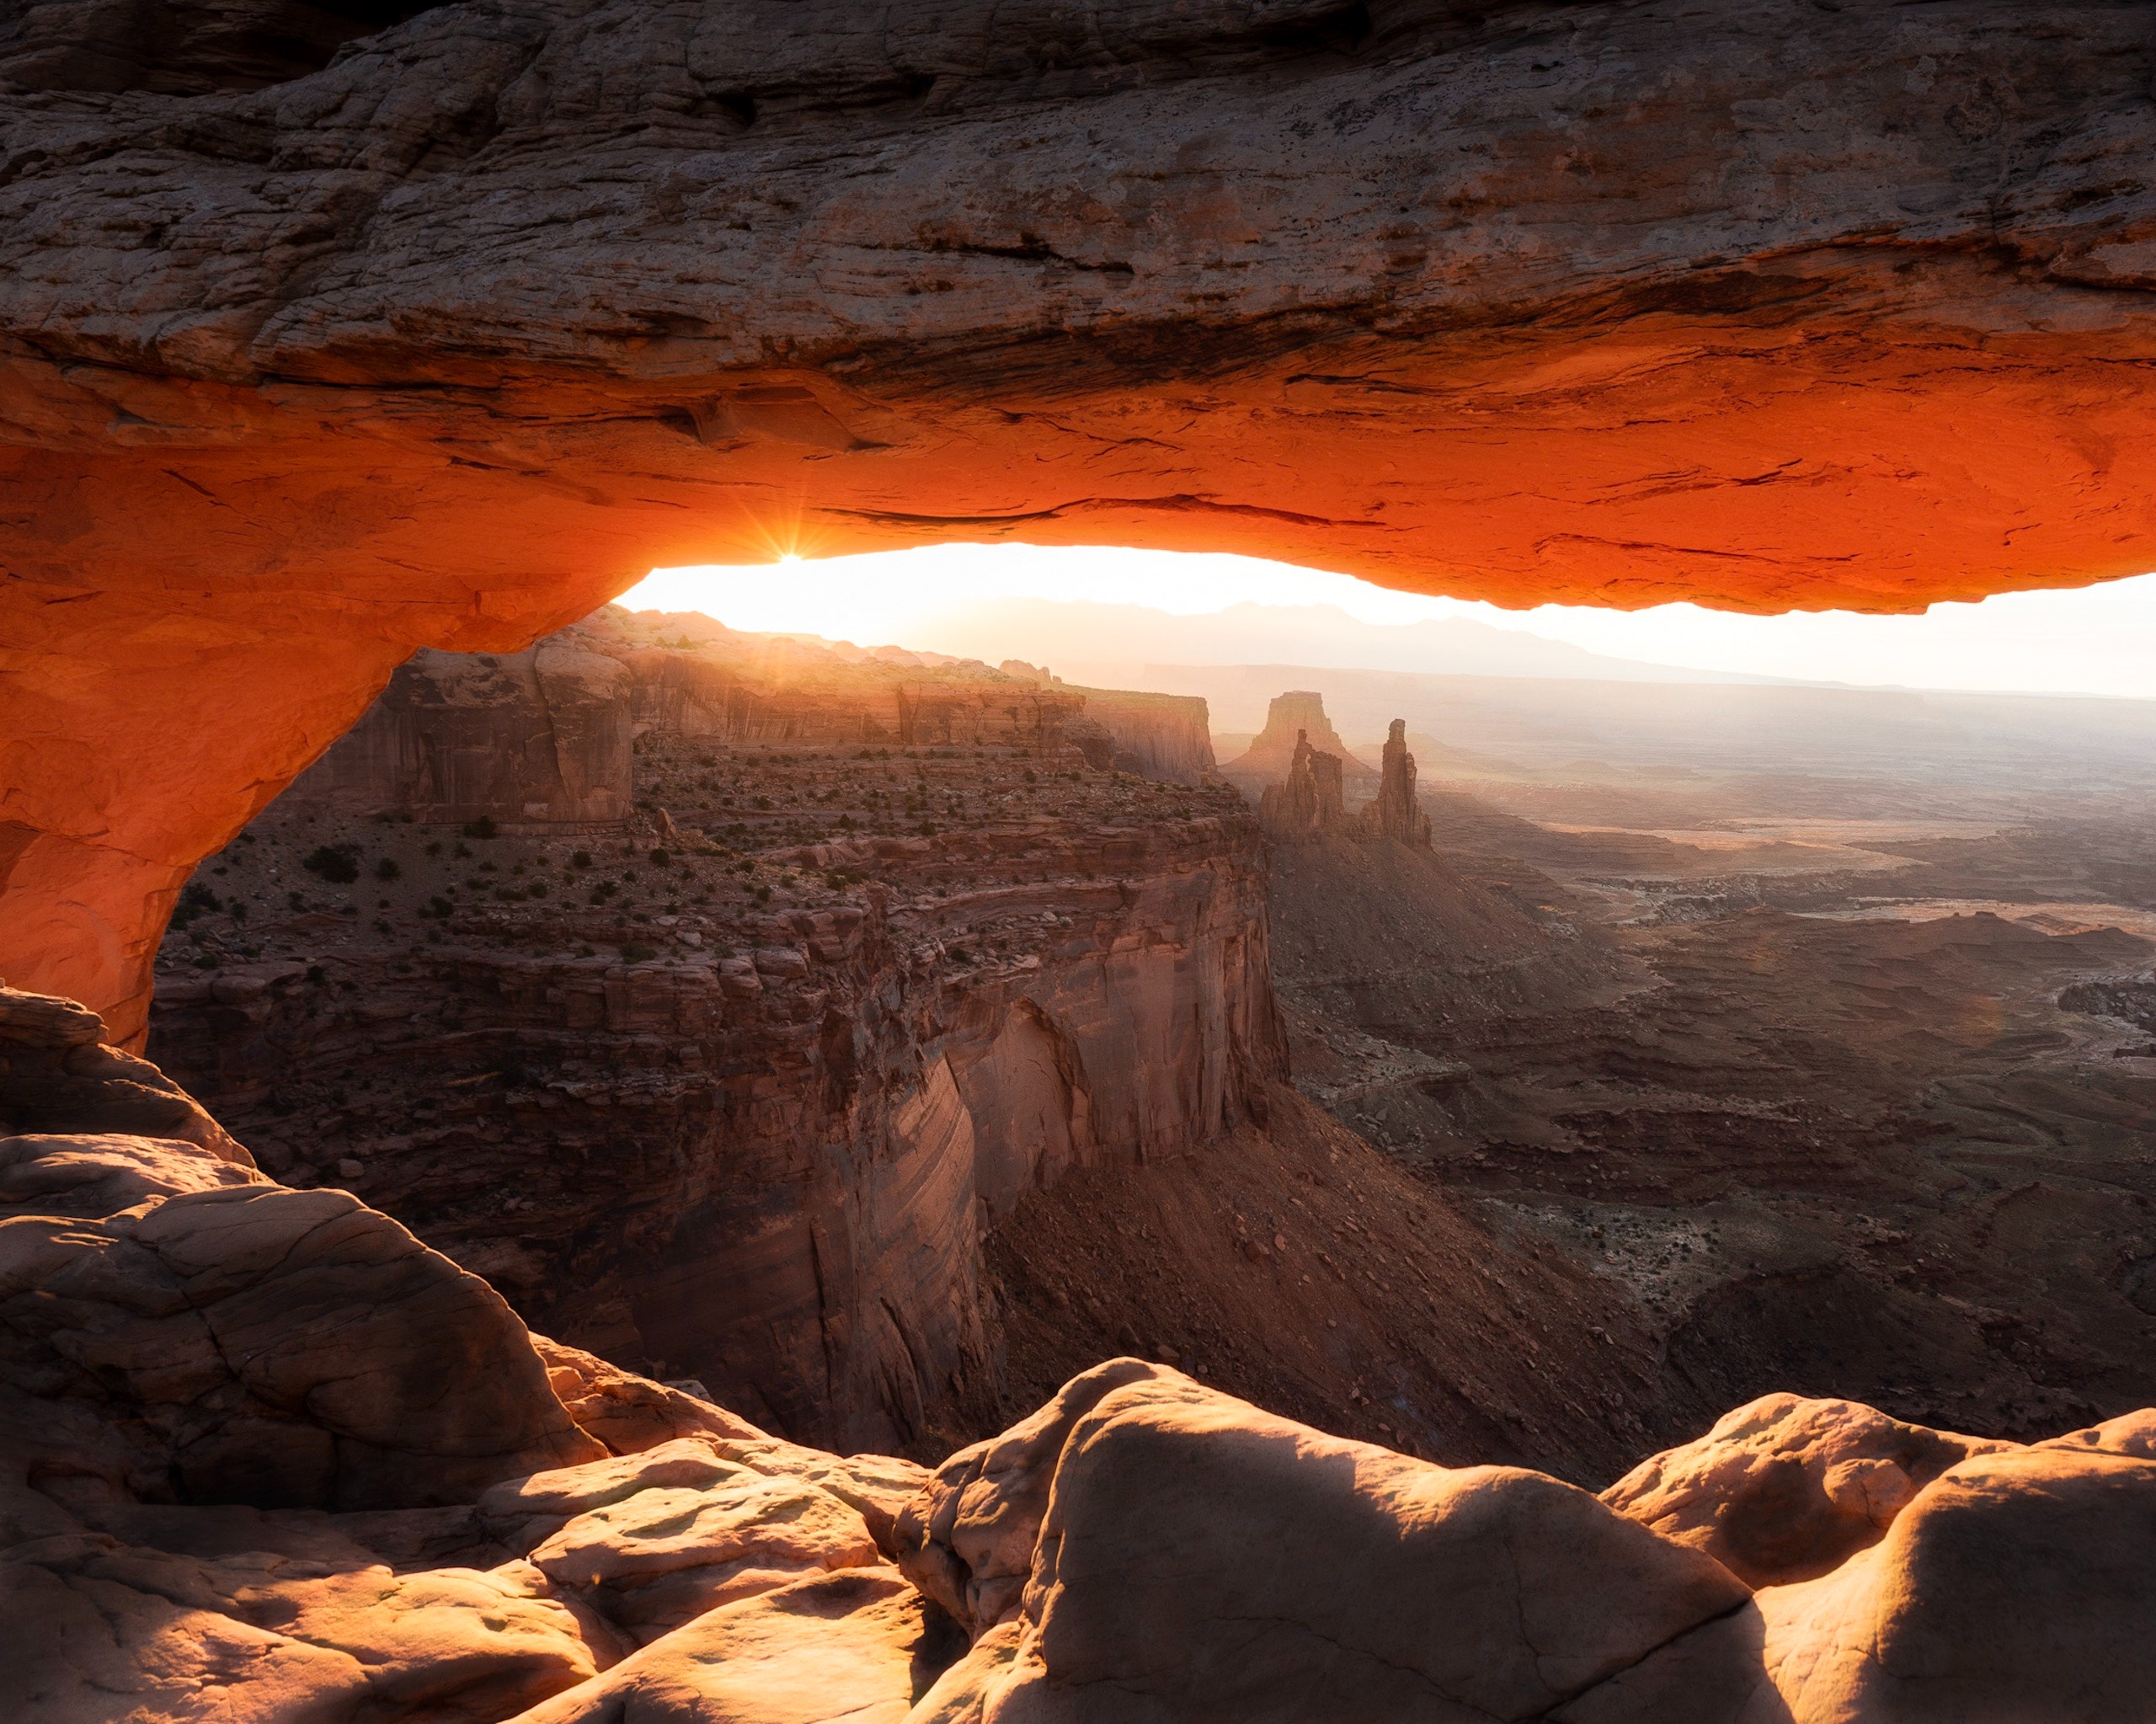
x: 2090, y: 640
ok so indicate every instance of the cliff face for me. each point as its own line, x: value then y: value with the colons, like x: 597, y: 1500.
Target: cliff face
x: 539, y: 737
x: 1530, y: 302
x: 1164, y: 736
x: 740, y: 1110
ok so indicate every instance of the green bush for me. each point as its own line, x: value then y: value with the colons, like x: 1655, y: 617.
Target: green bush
x: 634, y: 952
x: 337, y: 863
x: 483, y: 827
x: 387, y: 869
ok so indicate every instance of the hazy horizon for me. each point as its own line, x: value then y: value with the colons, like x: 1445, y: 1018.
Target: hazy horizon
x: 1037, y: 603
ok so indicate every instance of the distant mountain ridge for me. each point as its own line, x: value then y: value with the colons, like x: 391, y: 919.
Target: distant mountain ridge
x: 1081, y: 640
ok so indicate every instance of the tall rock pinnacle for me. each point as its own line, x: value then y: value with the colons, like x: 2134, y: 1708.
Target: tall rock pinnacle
x: 1395, y: 814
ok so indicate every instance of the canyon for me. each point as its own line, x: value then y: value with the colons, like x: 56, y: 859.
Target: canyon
x: 672, y: 1175
x: 886, y: 1063
x: 1841, y: 1073
x: 264, y: 1457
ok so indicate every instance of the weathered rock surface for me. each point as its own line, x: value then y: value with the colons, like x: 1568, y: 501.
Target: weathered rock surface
x: 1786, y: 1490
x: 1143, y: 1548
x: 1196, y: 1559
x: 860, y: 1647
x: 184, y: 1392
x: 837, y: 1010
x: 1308, y: 799
x: 2016, y: 1586
x: 57, y: 1072
x: 311, y: 364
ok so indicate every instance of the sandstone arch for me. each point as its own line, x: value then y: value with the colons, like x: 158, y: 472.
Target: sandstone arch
x: 1777, y: 304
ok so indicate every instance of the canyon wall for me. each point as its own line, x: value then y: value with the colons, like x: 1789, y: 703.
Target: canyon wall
x: 1164, y: 736
x: 543, y: 737
x: 315, y: 355
x: 538, y: 737
x: 753, y: 1141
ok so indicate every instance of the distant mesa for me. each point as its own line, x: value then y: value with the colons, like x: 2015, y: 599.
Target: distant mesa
x: 541, y: 740
x: 1294, y: 716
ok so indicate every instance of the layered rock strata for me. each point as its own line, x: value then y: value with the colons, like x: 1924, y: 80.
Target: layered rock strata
x: 1163, y: 736
x: 539, y: 738
x: 739, y: 1110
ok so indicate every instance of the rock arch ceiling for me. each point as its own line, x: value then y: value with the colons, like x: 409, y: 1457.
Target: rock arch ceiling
x: 443, y: 335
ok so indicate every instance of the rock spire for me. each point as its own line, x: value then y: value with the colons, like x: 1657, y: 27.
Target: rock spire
x: 1308, y: 799
x: 1394, y: 813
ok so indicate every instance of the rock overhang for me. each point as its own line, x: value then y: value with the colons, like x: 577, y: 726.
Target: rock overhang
x: 1766, y: 307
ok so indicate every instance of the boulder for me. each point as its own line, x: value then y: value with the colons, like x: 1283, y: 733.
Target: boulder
x: 1200, y: 1559
x: 267, y: 1345
x: 1785, y: 1489
x: 58, y: 1075
x: 2016, y: 1587
x: 93, y: 1175
x: 860, y: 1647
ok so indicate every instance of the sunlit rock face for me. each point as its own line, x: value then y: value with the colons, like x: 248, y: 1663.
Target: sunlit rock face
x: 316, y: 354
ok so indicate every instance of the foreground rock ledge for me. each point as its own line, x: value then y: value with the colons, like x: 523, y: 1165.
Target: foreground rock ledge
x: 412, y: 1512
x: 305, y: 363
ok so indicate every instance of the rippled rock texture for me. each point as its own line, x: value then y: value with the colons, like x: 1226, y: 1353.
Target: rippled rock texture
x: 315, y: 355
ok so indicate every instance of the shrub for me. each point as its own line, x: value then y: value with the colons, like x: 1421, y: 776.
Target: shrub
x: 581, y: 859
x: 483, y: 827
x: 387, y: 869
x: 194, y: 899
x: 337, y: 863
x: 635, y: 952
x: 660, y: 858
